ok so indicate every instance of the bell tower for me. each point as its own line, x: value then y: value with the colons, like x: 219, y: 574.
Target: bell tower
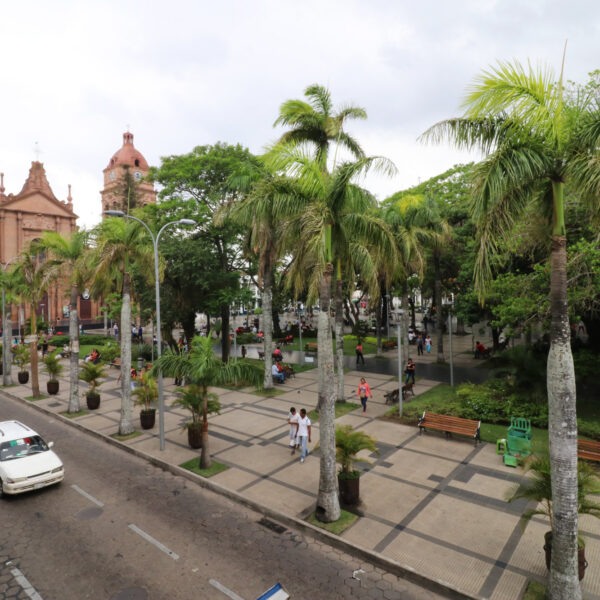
x: 126, y: 170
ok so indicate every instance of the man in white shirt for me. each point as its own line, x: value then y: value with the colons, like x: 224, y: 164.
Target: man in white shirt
x: 276, y: 374
x: 303, y: 433
x: 293, y: 421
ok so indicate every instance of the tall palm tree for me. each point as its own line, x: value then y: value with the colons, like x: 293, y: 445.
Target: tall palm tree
x: 36, y: 273
x: 315, y: 122
x: 71, y: 252
x: 324, y: 217
x: 204, y: 369
x: 536, y: 139
x: 119, y: 244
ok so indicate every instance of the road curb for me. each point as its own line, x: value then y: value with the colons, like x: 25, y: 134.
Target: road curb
x: 406, y: 572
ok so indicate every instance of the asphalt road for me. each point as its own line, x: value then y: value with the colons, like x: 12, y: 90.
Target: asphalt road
x: 119, y: 528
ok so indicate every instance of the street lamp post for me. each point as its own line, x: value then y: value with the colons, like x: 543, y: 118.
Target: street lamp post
x: 155, y: 240
x: 450, y: 345
x: 300, y: 329
x: 6, y: 375
x: 399, y: 313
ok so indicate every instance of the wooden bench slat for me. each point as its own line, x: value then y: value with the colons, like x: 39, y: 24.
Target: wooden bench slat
x: 588, y: 449
x: 450, y: 424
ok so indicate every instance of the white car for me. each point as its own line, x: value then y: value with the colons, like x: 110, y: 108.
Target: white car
x: 26, y: 461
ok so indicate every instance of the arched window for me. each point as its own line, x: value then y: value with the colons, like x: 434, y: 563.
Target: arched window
x: 137, y: 162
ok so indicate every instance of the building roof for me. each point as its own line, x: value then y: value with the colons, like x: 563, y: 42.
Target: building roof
x: 37, y: 182
x: 128, y: 155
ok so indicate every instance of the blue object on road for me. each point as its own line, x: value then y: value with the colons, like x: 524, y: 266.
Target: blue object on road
x: 275, y: 593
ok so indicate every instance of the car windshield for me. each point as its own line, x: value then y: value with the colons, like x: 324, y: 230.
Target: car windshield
x: 22, y: 447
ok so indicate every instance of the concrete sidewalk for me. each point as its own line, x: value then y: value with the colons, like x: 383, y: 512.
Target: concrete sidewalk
x: 435, y: 506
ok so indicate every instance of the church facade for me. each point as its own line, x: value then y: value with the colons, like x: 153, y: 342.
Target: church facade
x: 35, y: 209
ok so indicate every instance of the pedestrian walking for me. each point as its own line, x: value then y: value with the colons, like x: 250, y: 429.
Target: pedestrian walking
x: 303, y: 433
x: 410, y: 370
x: 292, y: 419
x: 359, y: 354
x: 244, y: 351
x: 419, y: 345
x: 116, y: 330
x: 428, y: 344
x: 363, y: 392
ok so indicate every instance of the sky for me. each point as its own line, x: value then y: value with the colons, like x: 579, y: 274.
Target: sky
x: 75, y: 75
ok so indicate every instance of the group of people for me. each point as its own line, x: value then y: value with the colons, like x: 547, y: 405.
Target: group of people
x: 422, y: 339
x: 93, y: 356
x: 278, y: 371
x: 300, y: 431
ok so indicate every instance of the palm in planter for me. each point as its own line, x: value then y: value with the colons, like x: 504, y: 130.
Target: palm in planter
x: 54, y: 368
x: 192, y: 399
x: 204, y: 369
x: 92, y: 373
x: 348, y: 444
x: 145, y: 396
x: 23, y: 358
x: 538, y: 488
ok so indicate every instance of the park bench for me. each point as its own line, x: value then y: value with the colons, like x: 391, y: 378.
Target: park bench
x: 588, y: 449
x: 450, y: 425
x: 289, y: 371
x: 116, y: 363
x: 261, y: 355
x: 388, y: 344
x: 311, y: 347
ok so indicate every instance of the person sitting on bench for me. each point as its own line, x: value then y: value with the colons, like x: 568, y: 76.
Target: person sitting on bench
x: 66, y: 351
x: 278, y: 354
x: 276, y: 374
x: 479, y: 350
x: 93, y: 356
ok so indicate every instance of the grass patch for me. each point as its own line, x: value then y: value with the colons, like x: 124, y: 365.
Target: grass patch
x: 74, y: 415
x: 194, y: 466
x: 341, y: 409
x: 124, y: 438
x: 346, y: 519
x: 32, y: 399
x: 9, y: 386
x: 535, y: 591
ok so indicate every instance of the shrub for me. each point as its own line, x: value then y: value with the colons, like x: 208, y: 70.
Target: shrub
x: 246, y: 338
x: 141, y: 350
x: 109, y: 352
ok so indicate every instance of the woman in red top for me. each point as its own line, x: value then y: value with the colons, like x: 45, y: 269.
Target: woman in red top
x: 363, y: 392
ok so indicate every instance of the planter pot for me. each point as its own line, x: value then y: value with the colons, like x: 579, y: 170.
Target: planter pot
x: 23, y: 376
x: 349, y: 490
x: 93, y: 400
x: 195, y: 437
x: 52, y: 387
x: 148, y: 418
x: 580, y: 555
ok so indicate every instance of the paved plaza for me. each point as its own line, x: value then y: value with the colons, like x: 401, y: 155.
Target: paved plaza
x: 436, y: 506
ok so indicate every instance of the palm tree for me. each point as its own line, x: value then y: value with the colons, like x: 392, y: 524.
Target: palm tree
x: 71, y: 252
x: 203, y: 368
x: 120, y: 243
x: 36, y: 273
x: 315, y: 123
x: 537, y: 139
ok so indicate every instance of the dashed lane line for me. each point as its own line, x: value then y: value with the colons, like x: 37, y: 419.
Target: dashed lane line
x: 150, y: 539
x: 223, y: 589
x: 88, y: 496
x: 24, y: 583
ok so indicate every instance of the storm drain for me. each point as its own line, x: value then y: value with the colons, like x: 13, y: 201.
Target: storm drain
x: 131, y: 594
x: 272, y: 525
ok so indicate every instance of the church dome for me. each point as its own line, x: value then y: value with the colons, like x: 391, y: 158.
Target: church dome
x: 128, y: 155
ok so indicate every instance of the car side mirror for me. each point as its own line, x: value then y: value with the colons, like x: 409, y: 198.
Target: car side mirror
x: 50, y: 444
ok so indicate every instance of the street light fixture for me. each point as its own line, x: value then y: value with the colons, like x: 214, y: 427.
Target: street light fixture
x: 120, y: 213
x: 450, y: 304
x: 6, y: 375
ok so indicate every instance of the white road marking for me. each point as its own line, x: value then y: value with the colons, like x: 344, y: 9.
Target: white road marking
x: 88, y: 496
x: 27, y: 587
x: 223, y: 589
x: 148, y: 537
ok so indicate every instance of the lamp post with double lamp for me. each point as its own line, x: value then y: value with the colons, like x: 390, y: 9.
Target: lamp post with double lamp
x: 450, y: 304
x: 6, y: 375
x: 399, y: 312
x: 155, y: 240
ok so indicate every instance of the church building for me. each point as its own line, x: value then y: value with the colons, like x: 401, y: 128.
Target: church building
x: 35, y: 209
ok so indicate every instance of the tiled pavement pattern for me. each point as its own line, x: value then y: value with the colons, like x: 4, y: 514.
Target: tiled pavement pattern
x: 435, y: 505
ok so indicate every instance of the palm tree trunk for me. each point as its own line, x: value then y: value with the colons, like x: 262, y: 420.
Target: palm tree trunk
x: 405, y: 318
x: 562, y: 429
x: 328, y: 505
x: 205, y: 461
x: 439, y: 321
x: 267, y: 302
x: 125, y: 423
x: 225, y: 332
x: 74, y: 358
x: 379, y: 351
x: 6, y: 346
x: 35, y: 377
x: 339, y: 337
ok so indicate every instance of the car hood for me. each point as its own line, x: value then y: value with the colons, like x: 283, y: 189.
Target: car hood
x: 27, y: 466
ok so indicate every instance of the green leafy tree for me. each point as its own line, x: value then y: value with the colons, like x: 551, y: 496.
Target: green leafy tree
x: 537, y: 139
